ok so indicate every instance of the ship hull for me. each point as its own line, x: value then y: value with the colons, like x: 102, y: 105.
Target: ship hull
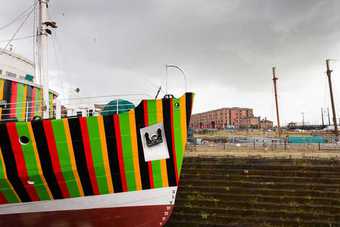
x: 147, y: 216
x: 116, y: 170
x: 141, y: 208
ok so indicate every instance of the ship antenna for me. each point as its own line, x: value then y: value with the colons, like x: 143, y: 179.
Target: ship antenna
x: 44, y: 30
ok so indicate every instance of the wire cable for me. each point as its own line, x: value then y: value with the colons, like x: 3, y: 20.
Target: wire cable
x: 19, y: 28
x: 22, y: 14
x: 19, y: 38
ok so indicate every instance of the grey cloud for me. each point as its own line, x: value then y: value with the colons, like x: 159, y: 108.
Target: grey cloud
x: 220, y: 42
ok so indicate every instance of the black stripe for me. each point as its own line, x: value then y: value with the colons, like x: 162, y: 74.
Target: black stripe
x: 11, y: 167
x: 112, y: 152
x: 143, y: 165
x: 29, y: 102
x: 45, y: 159
x: 79, y: 154
x: 188, y: 103
x: 7, y: 98
x: 167, y: 130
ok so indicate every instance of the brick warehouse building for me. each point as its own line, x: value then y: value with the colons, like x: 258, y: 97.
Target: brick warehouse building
x: 234, y: 117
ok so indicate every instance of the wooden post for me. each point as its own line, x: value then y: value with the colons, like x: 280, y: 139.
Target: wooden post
x: 329, y: 73
x: 276, y: 102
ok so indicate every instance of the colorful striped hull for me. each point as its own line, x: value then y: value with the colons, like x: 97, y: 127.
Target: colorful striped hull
x: 52, y: 161
x: 21, y: 101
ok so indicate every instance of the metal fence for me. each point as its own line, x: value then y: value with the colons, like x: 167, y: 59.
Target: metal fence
x: 282, y: 146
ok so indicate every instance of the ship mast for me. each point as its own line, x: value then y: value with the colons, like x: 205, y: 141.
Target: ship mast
x: 44, y: 31
x: 329, y: 73
x: 276, y: 101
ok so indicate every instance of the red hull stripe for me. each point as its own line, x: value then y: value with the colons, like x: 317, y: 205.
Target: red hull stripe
x: 146, y: 123
x: 2, y: 199
x: 20, y: 161
x: 88, y: 155
x: 120, y: 152
x: 32, y: 104
x: 52, y: 148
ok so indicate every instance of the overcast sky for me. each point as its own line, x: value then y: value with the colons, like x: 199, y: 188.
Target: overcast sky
x: 226, y: 48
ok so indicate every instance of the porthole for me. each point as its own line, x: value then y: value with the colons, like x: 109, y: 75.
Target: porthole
x: 24, y: 140
x: 177, y: 104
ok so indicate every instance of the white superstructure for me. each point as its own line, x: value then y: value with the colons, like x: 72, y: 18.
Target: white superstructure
x: 14, y: 66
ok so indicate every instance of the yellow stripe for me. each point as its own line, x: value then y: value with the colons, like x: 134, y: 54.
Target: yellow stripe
x: 30, y: 130
x: 72, y: 158
x: 105, y: 154
x: 164, y: 170
x: 135, y: 149
x: 24, y: 104
x: 6, y: 178
x: 1, y: 94
x: 183, y: 120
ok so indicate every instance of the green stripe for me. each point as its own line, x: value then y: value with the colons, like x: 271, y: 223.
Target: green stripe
x: 125, y: 133
x: 31, y: 163
x: 64, y: 157
x: 5, y: 187
x: 97, y: 154
x: 37, y: 102
x: 178, y: 134
x: 156, y: 165
x: 20, y: 99
x: 7, y: 192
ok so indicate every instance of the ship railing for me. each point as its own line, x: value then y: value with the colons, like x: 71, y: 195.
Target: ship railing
x: 20, y: 111
x: 59, y: 108
x: 90, y: 106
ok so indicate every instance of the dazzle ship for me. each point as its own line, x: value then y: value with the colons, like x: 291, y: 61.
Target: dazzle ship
x: 93, y: 168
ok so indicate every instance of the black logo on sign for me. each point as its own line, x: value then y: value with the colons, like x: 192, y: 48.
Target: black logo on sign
x: 155, y: 139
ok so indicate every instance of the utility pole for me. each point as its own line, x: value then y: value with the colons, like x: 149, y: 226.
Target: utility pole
x: 322, y: 120
x: 276, y: 102
x: 329, y: 73
x: 303, y: 120
x: 329, y: 118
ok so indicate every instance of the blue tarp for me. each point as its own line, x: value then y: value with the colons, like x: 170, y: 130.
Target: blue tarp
x: 306, y: 139
x: 117, y: 106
